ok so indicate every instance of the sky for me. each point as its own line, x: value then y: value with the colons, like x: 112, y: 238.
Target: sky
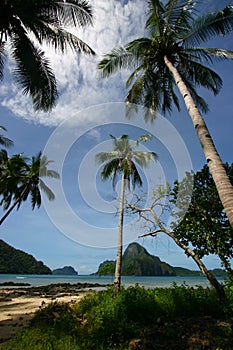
x: 79, y: 228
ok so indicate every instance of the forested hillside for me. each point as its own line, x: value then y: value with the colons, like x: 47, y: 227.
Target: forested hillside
x: 16, y: 261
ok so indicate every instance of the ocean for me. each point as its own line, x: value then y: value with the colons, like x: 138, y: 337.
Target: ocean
x: 146, y: 281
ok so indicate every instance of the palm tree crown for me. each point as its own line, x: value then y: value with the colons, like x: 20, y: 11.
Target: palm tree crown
x: 174, y: 32
x: 123, y: 158
x: 171, y: 57
x: 25, y: 23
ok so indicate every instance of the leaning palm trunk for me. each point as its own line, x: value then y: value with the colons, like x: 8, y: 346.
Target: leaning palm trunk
x: 17, y: 201
x: 117, y: 279
x: 222, y: 181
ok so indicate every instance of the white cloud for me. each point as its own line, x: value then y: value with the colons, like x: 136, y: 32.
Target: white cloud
x: 116, y: 23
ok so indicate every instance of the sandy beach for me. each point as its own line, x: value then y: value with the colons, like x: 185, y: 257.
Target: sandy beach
x: 18, y: 305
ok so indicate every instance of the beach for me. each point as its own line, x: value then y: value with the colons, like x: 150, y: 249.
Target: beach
x: 18, y: 304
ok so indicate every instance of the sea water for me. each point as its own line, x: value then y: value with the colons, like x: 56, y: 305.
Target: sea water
x: 127, y: 281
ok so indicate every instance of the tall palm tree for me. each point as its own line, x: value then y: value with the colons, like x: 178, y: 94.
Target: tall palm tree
x: 122, y: 160
x: 171, y: 56
x: 22, y: 178
x: 24, y: 26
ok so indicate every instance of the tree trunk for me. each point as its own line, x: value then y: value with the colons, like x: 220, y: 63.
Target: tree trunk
x: 117, y: 279
x: 9, y: 211
x: 222, y: 181
x: 13, y: 206
x: 213, y: 281
x: 226, y: 265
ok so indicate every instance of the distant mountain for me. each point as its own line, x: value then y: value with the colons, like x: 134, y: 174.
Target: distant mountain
x: 137, y: 261
x: 16, y: 261
x: 66, y: 270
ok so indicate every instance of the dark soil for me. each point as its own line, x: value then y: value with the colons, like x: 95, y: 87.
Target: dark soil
x: 204, y: 333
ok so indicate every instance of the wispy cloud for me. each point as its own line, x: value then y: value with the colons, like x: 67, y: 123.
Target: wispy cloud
x: 116, y: 22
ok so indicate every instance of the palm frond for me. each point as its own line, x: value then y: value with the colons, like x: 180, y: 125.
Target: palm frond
x: 61, y: 40
x: 117, y: 59
x: 4, y: 140
x: 143, y: 158
x: 178, y: 14
x: 199, y: 101
x: 201, y: 75
x: 34, y: 74
x: 75, y: 12
x: 155, y: 21
x: 208, y: 26
x: 49, y: 193
x: 103, y: 157
x: 217, y: 53
x: 2, y: 58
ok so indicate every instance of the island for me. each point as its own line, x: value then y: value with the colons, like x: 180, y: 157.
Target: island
x: 66, y: 270
x: 137, y: 261
x: 15, y: 261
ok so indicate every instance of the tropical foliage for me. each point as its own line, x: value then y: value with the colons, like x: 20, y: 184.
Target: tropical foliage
x: 171, y: 57
x: 27, y: 24
x: 22, y: 178
x: 4, y: 141
x: 205, y: 224
x: 138, y: 318
x: 15, y: 261
x: 122, y: 160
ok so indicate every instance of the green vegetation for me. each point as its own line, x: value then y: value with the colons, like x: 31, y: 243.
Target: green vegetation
x: 137, y: 261
x: 27, y: 24
x: 66, y: 270
x: 175, y: 318
x: 22, y: 178
x: 173, y: 55
x: 123, y: 161
x: 205, y: 226
x: 18, y: 262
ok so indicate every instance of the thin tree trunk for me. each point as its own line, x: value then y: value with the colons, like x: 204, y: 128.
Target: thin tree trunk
x: 117, y: 279
x: 9, y: 211
x: 222, y: 181
x: 226, y: 265
x: 213, y: 281
x: 13, y: 206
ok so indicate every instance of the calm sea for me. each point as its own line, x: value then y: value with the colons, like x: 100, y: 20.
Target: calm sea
x: 148, y: 282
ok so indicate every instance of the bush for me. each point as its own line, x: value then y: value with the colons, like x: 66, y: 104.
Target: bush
x: 102, y: 321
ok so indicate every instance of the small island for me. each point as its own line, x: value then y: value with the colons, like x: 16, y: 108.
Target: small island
x: 66, y: 270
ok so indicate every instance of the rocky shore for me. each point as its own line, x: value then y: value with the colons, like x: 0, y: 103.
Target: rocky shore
x: 18, y: 302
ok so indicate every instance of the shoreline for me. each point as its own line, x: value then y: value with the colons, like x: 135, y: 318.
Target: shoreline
x: 18, y: 304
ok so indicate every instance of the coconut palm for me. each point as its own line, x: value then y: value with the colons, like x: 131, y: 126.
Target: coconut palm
x: 122, y: 160
x: 22, y: 178
x: 4, y: 141
x: 171, y: 57
x: 24, y: 26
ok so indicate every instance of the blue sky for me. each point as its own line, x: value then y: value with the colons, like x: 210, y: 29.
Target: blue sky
x: 79, y: 127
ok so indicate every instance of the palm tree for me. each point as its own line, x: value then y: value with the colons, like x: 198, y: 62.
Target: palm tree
x: 4, y: 141
x: 122, y: 161
x: 171, y: 57
x: 25, y: 23
x: 22, y: 178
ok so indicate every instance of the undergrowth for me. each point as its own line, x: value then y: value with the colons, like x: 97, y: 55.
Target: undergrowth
x: 102, y: 321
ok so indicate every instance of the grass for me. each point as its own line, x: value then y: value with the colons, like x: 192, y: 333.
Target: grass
x: 174, y: 318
